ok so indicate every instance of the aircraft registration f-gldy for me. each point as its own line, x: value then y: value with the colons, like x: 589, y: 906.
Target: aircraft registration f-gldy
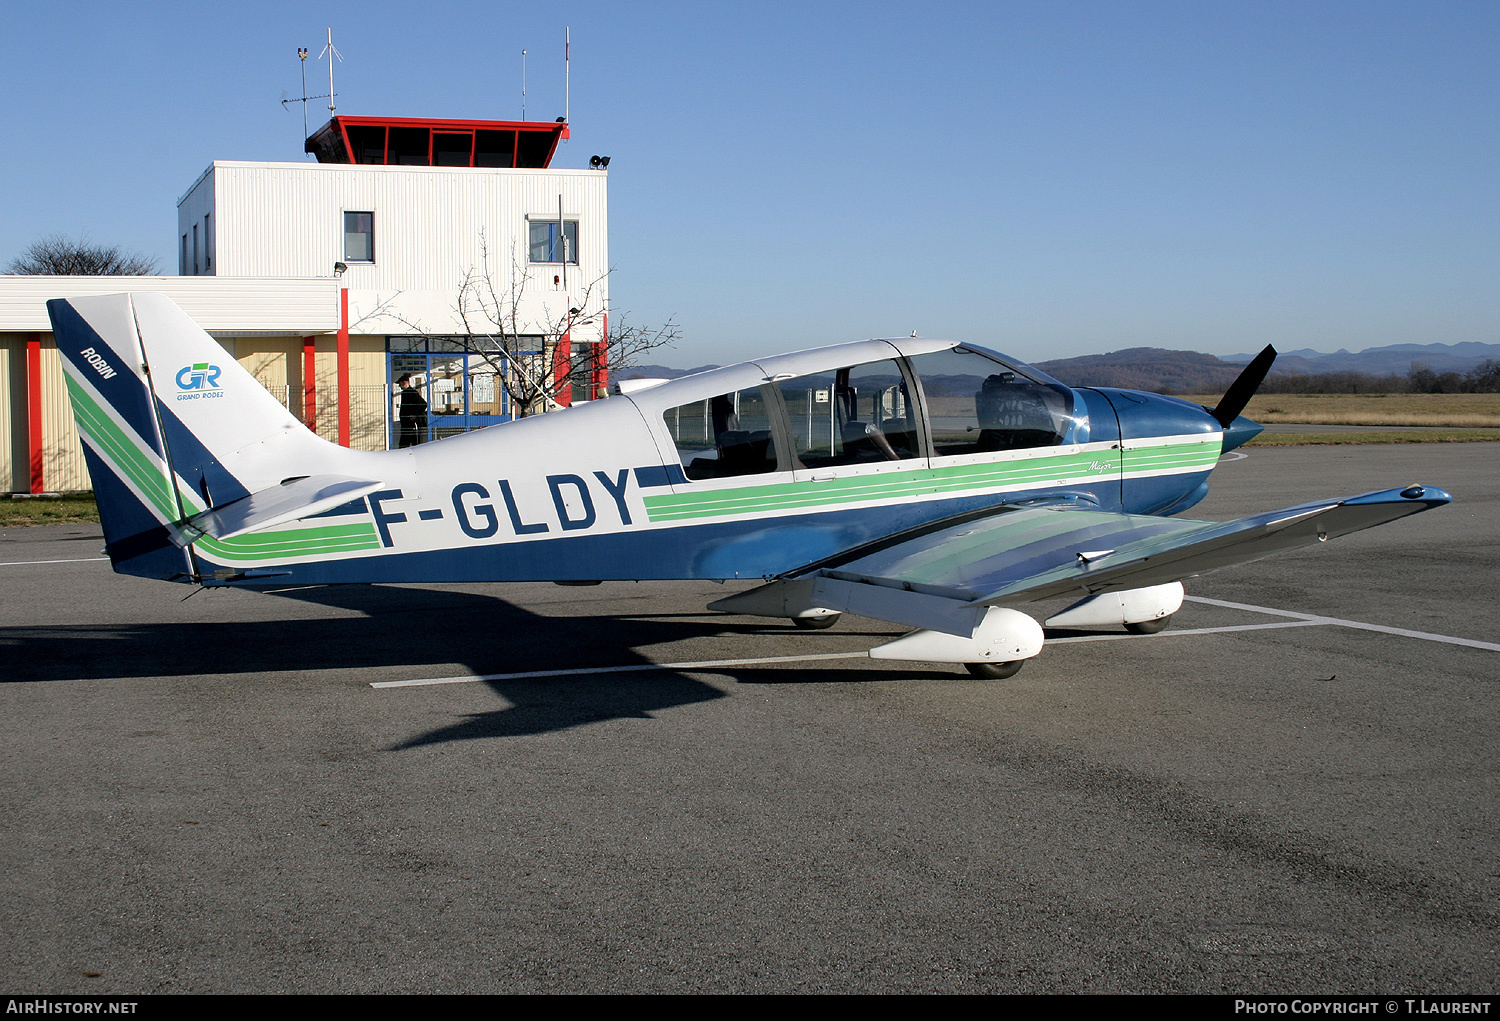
x: 922, y: 482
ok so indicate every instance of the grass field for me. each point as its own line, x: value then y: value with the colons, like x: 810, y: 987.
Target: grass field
x: 1387, y: 436
x: 47, y: 510
x: 1453, y: 411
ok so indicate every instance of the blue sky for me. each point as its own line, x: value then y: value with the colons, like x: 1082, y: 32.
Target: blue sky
x: 1049, y: 179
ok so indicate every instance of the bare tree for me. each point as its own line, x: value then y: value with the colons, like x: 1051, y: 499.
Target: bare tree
x: 533, y: 355
x: 57, y: 255
x: 1484, y: 378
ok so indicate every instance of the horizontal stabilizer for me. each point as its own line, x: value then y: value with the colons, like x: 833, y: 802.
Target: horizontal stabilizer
x: 293, y: 499
x: 1039, y: 553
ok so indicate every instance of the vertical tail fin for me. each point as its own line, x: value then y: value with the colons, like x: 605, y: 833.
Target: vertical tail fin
x: 105, y: 372
x: 171, y: 425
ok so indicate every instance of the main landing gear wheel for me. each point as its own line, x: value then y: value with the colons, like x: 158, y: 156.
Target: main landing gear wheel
x: 1149, y: 627
x: 995, y: 671
x: 817, y: 623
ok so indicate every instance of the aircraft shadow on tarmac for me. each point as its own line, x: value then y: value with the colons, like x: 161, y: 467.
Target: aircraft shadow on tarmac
x: 421, y: 628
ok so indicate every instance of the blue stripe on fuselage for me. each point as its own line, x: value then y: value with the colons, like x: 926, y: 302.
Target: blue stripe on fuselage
x: 657, y: 475
x: 716, y: 550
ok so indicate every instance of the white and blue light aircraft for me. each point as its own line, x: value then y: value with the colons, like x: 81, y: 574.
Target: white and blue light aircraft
x: 929, y: 484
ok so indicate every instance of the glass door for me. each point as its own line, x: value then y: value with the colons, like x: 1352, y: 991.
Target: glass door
x: 440, y: 387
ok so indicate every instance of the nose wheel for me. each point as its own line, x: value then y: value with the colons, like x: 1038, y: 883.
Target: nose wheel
x: 995, y: 671
x: 1149, y: 627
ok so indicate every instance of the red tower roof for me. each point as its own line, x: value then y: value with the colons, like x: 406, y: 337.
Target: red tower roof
x: 422, y: 142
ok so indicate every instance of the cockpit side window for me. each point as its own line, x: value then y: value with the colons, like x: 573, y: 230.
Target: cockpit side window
x: 855, y: 415
x: 977, y: 404
x: 725, y: 436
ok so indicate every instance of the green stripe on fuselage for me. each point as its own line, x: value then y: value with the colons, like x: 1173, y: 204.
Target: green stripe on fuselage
x: 916, y: 481
x: 304, y: 542
x: 919, y: 480
x: 1173, y: 457
x: 1017, y: 473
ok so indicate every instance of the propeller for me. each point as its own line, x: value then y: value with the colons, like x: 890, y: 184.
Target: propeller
x: 1243, y: 388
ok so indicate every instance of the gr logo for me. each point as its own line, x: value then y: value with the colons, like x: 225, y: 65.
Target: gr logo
x: 196, y: 377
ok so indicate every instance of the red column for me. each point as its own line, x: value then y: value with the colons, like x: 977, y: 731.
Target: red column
x: 561, y: 359
x: 599, y: 378
x: 343, y: 356
x: 34, y: 408
x: 309, y: 383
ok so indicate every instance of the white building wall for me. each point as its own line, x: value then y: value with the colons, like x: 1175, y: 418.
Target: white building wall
x: 192, y: 209
x: 221, y: 305
x: 432, y: 227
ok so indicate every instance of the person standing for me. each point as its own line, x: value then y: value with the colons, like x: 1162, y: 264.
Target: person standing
x: 411, y: 414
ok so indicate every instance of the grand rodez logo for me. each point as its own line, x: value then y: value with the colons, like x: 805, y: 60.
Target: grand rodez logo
x: 200, y: 380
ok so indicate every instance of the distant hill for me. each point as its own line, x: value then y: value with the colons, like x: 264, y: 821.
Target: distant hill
x: 1145, y: 368
x: 1163, y: 371
x: 1395, y: 359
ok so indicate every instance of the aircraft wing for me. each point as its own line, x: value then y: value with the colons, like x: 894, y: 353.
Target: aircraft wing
x: 1039, y: 552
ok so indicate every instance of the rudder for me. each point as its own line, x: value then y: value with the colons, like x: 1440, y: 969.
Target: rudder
x: 172, y: 425
x: 110, y: 394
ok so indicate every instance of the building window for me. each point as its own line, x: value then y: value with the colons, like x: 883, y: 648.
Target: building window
x: 195, y: 249
x: 359, y: 237
x: 545, y: 245
x: 182, y: 263
x: 208, y: 245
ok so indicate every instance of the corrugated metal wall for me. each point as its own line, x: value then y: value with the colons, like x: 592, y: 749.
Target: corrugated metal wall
x: 14, y: 470
x: 432, y: 225
x: 428, y: 220
x: 275, y: 362
x: 191, y: 209
x: 217, y: 304
x: 63, y: 467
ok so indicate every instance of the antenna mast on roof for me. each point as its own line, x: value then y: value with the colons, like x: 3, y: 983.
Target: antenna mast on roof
x: 302, y: 56
x: 567, y: 67
x: 523, y: 85
x: 330, y: 49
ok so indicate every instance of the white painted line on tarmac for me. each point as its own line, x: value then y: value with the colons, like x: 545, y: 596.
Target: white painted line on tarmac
x: 1313, y: 618
x: 1300, y: 620
x: 1189, y: 631
x: 23, y: 563
x: 719, y: 664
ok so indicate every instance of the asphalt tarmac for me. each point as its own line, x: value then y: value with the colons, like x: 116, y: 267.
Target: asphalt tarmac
x: 209, y: 795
